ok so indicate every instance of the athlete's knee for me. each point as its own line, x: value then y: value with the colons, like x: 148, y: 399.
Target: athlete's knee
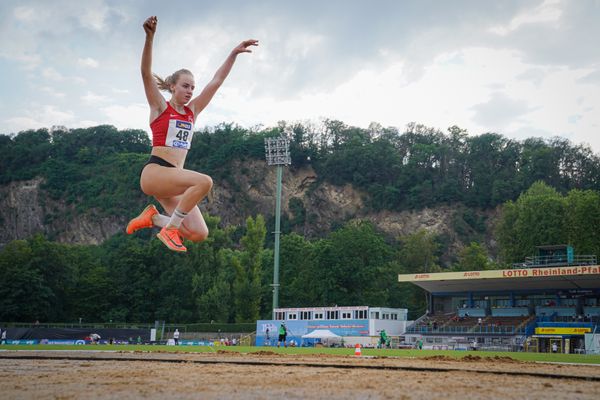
x: 205, y: 182
x: 197, y: 236
x: 201, y: 185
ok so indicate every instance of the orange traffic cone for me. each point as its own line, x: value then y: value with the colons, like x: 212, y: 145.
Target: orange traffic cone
x: 357, y: 351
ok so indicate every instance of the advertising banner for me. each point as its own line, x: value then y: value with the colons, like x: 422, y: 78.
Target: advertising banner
x: 267, y: 331
x: 22, y: 341
x: 61, y: 342
x: 502, y: 273
x: 592, y: 343
x: 195, y: 343
x: 561, y: 331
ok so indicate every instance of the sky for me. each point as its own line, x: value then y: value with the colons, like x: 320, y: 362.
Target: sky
x: 520, y: 68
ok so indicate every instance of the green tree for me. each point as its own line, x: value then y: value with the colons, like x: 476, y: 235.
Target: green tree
x: 248, y: 266
x: 535, y: 219
x: 215, y: 303
x: 135, y: 266
x: 473, y: 257
x: 418, y: 252
x: 582, y: 221
x: 298, y: 272
x: 24, y: 293
x: 90, y: 298
x: 350, y: 262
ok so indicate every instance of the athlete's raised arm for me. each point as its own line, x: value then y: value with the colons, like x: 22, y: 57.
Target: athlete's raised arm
x: 155, y: 99
x: 201, y: 101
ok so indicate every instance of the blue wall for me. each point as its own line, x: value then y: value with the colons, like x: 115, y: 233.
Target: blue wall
x: 510, y: 312
x: 593, y: 311
x: 555, y: 310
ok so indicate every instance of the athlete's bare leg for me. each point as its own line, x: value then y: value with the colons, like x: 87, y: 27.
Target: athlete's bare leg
x: 165, y: 183
x: 179, y: 189
x: 193, y: 226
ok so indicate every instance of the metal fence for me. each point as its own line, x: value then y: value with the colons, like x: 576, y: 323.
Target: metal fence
x: 160, y: 325
x: 556, y: 261
x: 478, y: 330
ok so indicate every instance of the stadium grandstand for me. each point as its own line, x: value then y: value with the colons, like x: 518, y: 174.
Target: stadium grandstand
x: 549, y: 303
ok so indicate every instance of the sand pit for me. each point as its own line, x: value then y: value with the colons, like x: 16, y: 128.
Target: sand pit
x: 268, y: 375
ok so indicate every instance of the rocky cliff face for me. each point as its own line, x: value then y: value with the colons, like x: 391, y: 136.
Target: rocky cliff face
x: 26, y: 210
x: 250, y: 190
x: 256, y: 191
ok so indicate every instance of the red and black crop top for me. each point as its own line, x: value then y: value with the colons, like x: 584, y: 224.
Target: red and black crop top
x: 173, y: 129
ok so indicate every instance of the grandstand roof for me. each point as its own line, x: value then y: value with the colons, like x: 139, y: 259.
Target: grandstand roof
x: 562, y: 278
x: 552, y: 247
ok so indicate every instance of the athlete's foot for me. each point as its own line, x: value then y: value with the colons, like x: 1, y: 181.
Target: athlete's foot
x: 171, y: 238
x: 144, y: 220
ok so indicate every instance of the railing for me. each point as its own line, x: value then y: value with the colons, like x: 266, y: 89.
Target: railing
x: 84, y: 325
x: 555, y: 261
x: 248, y: 340
x: 417, y: 321
x: 477, y: 330
x: 198, y: 327
x: 594, y: 319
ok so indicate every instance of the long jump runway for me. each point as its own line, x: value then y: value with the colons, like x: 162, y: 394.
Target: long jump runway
x: 262, y: 375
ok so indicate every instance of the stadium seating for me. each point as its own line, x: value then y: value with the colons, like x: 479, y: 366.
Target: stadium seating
x: 453, y: 323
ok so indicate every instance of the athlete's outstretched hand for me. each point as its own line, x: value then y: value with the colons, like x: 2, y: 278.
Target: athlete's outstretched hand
x: 150, y: 25
x: 243, y: 47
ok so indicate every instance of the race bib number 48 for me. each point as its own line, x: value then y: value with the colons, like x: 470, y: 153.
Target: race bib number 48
x: 179, y: 134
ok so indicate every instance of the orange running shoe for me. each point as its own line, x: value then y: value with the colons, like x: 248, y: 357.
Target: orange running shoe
x: 171, y: 238
x: 144, y: 220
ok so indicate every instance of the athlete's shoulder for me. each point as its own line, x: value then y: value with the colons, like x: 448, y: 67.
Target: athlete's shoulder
x: 189, y: 113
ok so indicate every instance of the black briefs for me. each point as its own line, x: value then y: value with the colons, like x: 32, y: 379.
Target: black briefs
x: 157, y: 160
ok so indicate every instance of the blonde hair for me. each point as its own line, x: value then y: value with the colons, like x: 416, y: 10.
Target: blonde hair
x: 165, y: 84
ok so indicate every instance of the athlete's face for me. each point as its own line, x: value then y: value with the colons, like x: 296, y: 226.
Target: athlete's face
x: 183, y: 89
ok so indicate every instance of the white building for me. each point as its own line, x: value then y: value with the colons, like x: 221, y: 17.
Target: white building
x: 358, y: 324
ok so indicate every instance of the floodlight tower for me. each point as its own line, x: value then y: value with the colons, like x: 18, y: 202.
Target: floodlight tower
x: 277, y: 151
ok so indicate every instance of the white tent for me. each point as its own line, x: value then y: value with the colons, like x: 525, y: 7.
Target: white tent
x: 325, y: 336
x: 320, y: 334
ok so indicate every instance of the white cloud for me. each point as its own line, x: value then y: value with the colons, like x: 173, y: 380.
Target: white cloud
x: 51, y: 73
x: 547, y: 12
x: 37, y: 117
x: 592, y: 77
x: 500, y: 111
x: 561, y: 37
x: 24, y: 50
x: 172, y: 50
x: 481, y: 90
x: 54, y: 75
x: 88, y: 62
x: 533, y: 75
x: 87, y: 123
x: 92, y: 14
x: 93, y: 17
x: 134, y: 116
x: 535, y: 71
x: 91, y: 97
x: 25, y: 14
x: 52, y: 91
x: 573, y: 119
x: 29, y: 61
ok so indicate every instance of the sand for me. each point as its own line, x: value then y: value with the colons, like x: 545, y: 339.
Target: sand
x: 266, y: 375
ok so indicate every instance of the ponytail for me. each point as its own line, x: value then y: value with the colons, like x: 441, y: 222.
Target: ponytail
x: 165, y: 84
